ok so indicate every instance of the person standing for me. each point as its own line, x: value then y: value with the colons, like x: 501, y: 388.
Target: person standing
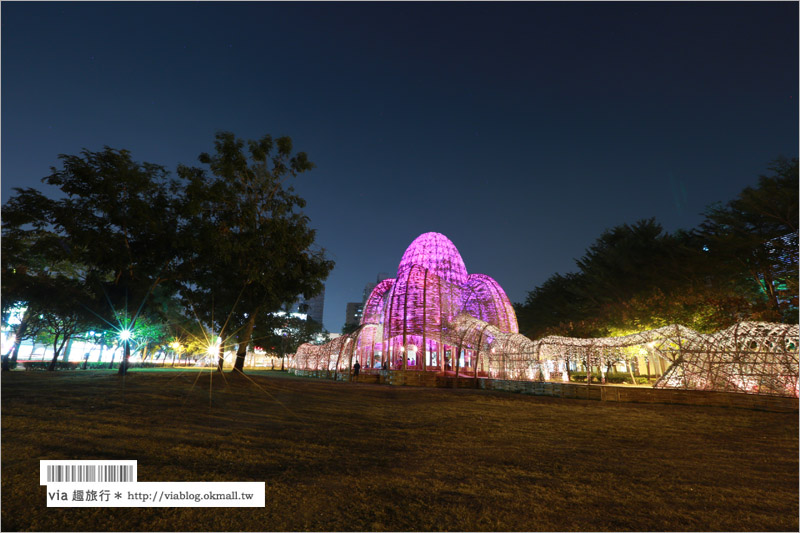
x: 356, y: 368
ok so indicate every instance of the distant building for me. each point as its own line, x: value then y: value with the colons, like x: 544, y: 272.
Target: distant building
x: 312, y: 308
x: 316, y: 305
x: 369, y: 286
x: 354, y: 310
x: 353, y: 313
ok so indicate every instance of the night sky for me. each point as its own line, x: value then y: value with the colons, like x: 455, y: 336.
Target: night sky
x: 519, y: 130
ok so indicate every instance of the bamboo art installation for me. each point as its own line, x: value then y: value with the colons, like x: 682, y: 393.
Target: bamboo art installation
x: 435, y: 317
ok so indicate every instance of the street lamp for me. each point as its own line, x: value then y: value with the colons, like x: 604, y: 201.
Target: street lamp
x: 125, y: 335
x: 176, y: 348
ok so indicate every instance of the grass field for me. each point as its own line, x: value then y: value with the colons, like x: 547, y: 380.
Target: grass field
x: 352, y: 457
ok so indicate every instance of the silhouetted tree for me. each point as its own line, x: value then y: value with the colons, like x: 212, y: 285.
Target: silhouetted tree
x: 740, y: 264
x: 754, y: 237
x: 117, y: 222
x: 247, y: 249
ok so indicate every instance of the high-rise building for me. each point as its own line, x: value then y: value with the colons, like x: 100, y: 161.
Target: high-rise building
x: 369, y: 286
x: 355, y: 309
x: 313, y: 307
x: 316, y: 305
x: 353, y: 313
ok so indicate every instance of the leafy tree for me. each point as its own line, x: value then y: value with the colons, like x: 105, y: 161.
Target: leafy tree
x: 246, y: 248
x: 63, y: 322
x: 634, y: 278
x: 753, y: 239
x: 124, y: 231
x: 558, y: 307
x: 27, y: 328
x: 117, y: 221
x: 41, y: 275
x: 740, y: 264
x: 289, y: 332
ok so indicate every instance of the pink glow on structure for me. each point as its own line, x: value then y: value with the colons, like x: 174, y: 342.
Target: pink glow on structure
x: 373, y: 309
x: 485, y: 299
x: 432, y: 288
x: 435, y: 252
x: 432, y: 316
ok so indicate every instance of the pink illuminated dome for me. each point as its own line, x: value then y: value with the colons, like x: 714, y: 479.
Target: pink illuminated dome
x: 435, y: 252
x: 432, y: 288
x: 432, y: 316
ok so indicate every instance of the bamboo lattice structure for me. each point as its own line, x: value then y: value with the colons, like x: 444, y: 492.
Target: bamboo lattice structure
x: 435, y: 317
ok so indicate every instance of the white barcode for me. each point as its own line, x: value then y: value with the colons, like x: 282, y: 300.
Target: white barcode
x: 87, y: 472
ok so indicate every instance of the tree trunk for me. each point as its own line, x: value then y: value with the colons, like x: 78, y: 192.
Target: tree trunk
x: 23, y: 327
x: 52, y: 365
x: 68, y: 350
x: 56, y: 352
x: 123, y: 366
x: 220, y: 357
x: 241, y: 352
x: 772, y: 294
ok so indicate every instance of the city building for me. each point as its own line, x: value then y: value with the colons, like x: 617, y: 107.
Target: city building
x: 354, y: 310
x: 312, y: 308
x: 353, y: 314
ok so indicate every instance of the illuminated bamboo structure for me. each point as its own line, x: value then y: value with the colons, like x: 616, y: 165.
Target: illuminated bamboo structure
x: 435, y: 317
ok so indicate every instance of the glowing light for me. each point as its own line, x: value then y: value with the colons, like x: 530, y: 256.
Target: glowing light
x: 431, y: 291
x: 15, y: 316
x: 435, y: 252
x: 213, y: 347
x: 433, y: 303
x: 125, y: 334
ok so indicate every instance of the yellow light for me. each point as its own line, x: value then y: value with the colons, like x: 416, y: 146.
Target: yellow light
x: 213, y: 348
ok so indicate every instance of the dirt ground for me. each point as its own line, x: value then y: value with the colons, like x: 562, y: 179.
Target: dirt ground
x: 356, y: 457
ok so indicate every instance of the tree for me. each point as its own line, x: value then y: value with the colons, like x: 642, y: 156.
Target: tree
x: 117, y: 222
x: 61, y: 324
x: 558, y: 307
x: 286, y: 332
x: 753, y: 239
x: 27, y: 328
x: 246, y: 248
x: 740, y: 264
x: 40, y: 273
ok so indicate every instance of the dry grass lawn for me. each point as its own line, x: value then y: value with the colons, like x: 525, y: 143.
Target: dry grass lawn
x: 355, y: 457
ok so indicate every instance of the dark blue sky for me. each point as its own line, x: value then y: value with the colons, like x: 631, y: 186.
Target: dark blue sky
x: 519, y: 130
